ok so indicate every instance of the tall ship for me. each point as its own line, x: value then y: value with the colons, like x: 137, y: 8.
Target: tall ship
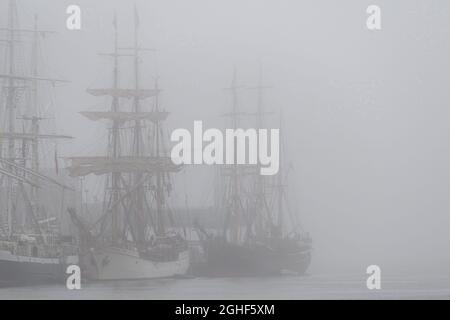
x: 136, y: 236
x: 33, y: 247
x: 256, y: 238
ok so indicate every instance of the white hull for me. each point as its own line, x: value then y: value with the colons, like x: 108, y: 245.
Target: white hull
x: 121, y: 264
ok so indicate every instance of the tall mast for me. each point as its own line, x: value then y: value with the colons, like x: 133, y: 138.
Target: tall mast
x: 259, y: 206
x: 11, y: 83
x: 138, y: 152
x: 159, y: 191
x: 235, y: 173
x: 136, y: 101
x: 129, y: 174
x: 10, y: 109
x: 262, y: 217
x: 115, y: 176
x: 280, y: 185
x: 17, y: 84
x: 233, y: 217
x: 34, y: 115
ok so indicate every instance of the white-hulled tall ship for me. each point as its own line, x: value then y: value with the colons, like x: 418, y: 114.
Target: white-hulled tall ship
x: 136, y: 236
x: 32, y: 246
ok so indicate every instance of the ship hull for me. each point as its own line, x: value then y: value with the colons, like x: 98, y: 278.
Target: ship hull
x: 296, y: 262
x: 223, y: 259
x: 229, y: 260
x: 121, y: 264
x: 294, y: 255
x: 21, y: 270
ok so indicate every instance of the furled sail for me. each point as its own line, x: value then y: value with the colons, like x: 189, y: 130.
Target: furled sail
x: 124, y: 93
x: 125, y: 116
x: 31, y: 136
x: 28, y: 78
x: 83, y: 166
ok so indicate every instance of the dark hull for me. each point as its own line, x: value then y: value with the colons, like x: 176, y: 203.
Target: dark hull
x: 294, y: 255
x: 18, y: 273
x: 223, y: 259
x: 296, y: 262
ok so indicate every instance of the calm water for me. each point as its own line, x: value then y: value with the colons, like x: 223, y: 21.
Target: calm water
x: 285, y: 287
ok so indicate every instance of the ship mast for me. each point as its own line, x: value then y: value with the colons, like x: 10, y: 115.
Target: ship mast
x: 34, y: 116
x: 10, y: 109
x: 115, y: 176
x: 132, y: 170
x: 280, y: 186
x: 15, y: 162
x: 268, y: 221
x: 235, y: 179
x: 259, y: 188
x: 233, y: 216
x: 159, y: 195
x: 137, y: 143
x: 262, y: 218
x: 11, y: 85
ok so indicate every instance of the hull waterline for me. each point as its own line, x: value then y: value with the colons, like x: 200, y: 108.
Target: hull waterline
x: 18, y: 270
x: 122, y: 264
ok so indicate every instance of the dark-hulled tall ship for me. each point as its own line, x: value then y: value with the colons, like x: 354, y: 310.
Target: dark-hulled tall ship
x: 255, y: 239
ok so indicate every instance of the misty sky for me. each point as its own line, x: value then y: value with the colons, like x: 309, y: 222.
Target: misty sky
x: 367, y: 113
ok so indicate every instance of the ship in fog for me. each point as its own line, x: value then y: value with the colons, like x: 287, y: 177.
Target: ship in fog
x: 136, y: 236
x: 33, y: 247
x: 259, y: 233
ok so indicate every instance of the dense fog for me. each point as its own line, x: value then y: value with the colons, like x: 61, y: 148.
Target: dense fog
x: 366, y: 113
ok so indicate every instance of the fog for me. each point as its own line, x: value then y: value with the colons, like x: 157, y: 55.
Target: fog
x: 366, y: 113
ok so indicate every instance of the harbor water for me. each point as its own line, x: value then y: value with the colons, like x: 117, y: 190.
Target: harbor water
x: 285, y: 287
